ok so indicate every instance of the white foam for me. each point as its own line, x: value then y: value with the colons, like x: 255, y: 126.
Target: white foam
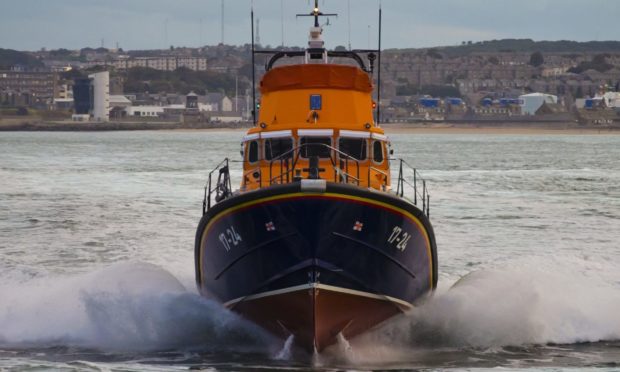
x: 285, y: 352
x: 515, y: 305
x: 130, y: 306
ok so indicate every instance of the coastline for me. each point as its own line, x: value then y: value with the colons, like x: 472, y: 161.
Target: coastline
x: 501, y: 128
x: 533, y: 128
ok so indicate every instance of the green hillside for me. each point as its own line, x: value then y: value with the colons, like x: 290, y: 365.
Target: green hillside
x: 9, y: 58
x: 526, y: 46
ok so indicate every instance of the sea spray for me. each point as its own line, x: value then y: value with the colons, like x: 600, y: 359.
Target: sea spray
x: 285, y: 352
x: 130, y: 306
x: 509, y: 306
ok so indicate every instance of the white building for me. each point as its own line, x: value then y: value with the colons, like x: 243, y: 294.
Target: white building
x: 530, y: 103
x: 145, y: 111
x: 101, y: 96
x: 119, y: 101
x: 612, y: 99
x: 226, y: 117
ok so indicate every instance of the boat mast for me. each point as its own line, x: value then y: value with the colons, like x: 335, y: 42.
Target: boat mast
x: 253, y: 70
x: 316, y: 13
x: 379, y: 72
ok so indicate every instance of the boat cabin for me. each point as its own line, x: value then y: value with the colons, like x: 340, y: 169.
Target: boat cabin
x: 316, y: 122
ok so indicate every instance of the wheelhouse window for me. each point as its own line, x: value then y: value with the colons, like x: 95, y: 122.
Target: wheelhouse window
x: 275, y: 147
x: 315, y: 146
x: 354, y: 147
x: 253, y: 151
x: 377, y: 152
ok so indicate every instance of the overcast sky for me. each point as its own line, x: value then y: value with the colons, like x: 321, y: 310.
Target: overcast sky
x: 153, y: 24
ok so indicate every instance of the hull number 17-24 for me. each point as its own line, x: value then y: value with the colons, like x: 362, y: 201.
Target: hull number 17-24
x: 229, y: 238
x: 399, y: 237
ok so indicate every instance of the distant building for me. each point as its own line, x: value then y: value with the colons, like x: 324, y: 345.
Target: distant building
x: 101, y: 95
x: 612, y: 99
x: 64, y: 91
x: 118, y: 106
x: 145, y: 111
x: 191, y: 101
x: 164, y: 63
x: 554, y: 71
x: 530, y: 103
x: 39, y: 86
x: 91, y: 97
x: 82, y: 96
x: 216, y: 102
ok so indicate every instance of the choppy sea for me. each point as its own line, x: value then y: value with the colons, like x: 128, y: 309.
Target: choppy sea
x: 97, y: 274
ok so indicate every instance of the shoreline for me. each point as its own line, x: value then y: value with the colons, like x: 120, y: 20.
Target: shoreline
x: 395, y: 128
x: 501, y: 128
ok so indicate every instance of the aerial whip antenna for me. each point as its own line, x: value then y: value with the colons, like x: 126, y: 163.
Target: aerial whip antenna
x: 349, y: 20
x: 253, y: 68
x: 379, y: 72
x: 316, y: 13
x: 282, y: 20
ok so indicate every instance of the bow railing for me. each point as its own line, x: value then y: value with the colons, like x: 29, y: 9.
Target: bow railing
x: 409, y: 176
x: 220, y: 189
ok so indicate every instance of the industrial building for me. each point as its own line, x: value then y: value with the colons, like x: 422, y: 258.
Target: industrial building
x: 33, y: 86
x: 530, y: 103
x: 92, y: 97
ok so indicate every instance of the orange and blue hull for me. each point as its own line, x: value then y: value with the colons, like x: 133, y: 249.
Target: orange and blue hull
x: 315, y: 263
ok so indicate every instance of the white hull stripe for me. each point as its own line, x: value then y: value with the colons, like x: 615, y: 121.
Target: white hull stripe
x: 319, y: 286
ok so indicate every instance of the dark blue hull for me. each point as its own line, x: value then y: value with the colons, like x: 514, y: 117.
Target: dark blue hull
x: 262, y: 251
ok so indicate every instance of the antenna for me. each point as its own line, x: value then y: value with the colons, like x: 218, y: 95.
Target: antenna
x: 379, y: 72
x: 258, y: 31
x: 282, y: 20
x: 349, y: 20
x: 316, y: 13
x: 253, y: 68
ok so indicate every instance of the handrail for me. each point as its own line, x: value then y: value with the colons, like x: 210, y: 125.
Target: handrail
x: 342, y: 174
x: 402, y: 181
x: 295, y: 154
x: 279, y: 54
x: 223, y: 187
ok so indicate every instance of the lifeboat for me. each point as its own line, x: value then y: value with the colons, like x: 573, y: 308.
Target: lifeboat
x: 317, y: 240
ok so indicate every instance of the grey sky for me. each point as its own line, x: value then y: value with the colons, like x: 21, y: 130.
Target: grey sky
x: 141, y: 24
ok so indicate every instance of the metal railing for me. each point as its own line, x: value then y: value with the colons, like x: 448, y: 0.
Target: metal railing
x: 413, y: 182
x: 222, y: 188
x: 289, y: 160
x: 343, y: 165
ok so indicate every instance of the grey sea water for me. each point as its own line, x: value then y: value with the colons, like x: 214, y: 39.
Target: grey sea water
x: 96, y: 257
